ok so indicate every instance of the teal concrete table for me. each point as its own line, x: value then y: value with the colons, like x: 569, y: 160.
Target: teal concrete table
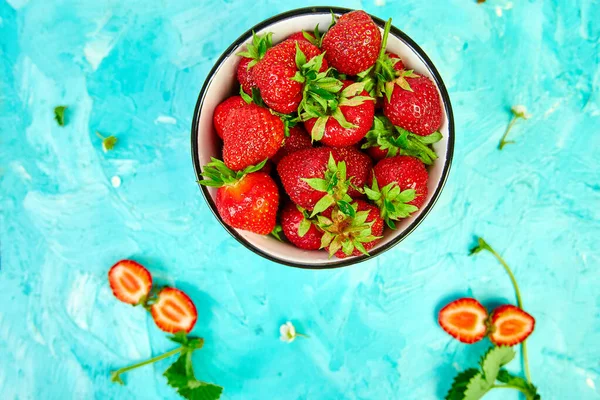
x: 134, y: 69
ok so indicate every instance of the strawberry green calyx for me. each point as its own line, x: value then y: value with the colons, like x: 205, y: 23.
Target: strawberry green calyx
x: 381, y: 78
x: 219, y: 174
x: 307, y: 221
x: 335, y: 184
x: 349, y: 97
x: 346, y: 232
x: 258, y: 48
x: 398, y: 141
x: 391, y: 201
x: 276, y: 232
x: 317, y: 37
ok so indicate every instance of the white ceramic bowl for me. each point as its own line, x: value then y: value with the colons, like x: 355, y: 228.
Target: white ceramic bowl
x: 221, y: 83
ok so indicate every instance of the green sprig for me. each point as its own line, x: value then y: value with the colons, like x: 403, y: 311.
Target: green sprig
x: 180, y: 375
x: 60, y: 115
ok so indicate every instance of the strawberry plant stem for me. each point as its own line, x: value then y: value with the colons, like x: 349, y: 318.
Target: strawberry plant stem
x: 511, y: 387
x: 483, y: 245
x: 116, y: 375
x: 503, y: 141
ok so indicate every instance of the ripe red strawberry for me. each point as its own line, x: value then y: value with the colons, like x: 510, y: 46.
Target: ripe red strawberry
x: 351, y: 235
x: 174, y: 311
x: 464, y: 319
x: 244, y: 75
x: 418, y: 110
x: 510, y: 325
x: 273, y: 74
x: 255, y: 51
x: 350, y: 121
x: 299, y: 230
x: 222, y: 112
x: 377, y: 153
x: 407, y: 172
x: 297, y: 140
x: 251, y: 134
x: 246, y: 199
x: 352, y: 44
x: 130, y: 282
x: 301, y: 36
x: 313, y: 163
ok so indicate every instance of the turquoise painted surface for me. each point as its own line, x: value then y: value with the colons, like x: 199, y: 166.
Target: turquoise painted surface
x: 135, y: 70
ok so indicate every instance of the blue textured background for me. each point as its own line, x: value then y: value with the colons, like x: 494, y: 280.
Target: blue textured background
x: 135, y: 71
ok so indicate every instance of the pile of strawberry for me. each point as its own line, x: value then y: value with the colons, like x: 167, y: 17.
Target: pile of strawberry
x: 308, y: 107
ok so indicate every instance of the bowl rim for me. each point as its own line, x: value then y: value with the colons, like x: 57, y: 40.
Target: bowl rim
x: 414, y: 224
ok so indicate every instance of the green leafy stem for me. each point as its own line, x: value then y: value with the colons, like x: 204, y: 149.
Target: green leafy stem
x: 180, y: 375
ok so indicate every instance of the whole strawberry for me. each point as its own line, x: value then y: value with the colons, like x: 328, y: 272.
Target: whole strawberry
x: 353, y: 43
x: 415, y: 107
x: 299, y: 229
x: 351, y: 235
x: 398, y: 187
x: 299, y: 170
x: 273, y: 74
x: 222, y: 112
x: 297, y: 140
x: 254, y: 52
x: 245, y: 199
x: 348, y: 123
x: 251, y: 134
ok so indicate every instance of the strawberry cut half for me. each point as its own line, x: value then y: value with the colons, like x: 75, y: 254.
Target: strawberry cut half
x: 174, y: 311
x: 464, y: 319
x: 510, y: 325
x: 130, y: 281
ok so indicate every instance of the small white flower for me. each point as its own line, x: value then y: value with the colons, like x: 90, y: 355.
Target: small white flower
x: 520, y: 111
x: 288, y: 332
x: 115, y: 181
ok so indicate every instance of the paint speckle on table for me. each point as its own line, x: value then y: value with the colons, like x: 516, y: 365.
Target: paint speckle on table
x: 134, y: 69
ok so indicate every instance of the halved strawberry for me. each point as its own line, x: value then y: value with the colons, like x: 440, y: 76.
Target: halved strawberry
x: 464, y: 319
x: 174, y: 311
x: 510, y: 325
x: 129, y: 281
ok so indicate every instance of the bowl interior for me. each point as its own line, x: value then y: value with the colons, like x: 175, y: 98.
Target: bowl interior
x: 220, y: 86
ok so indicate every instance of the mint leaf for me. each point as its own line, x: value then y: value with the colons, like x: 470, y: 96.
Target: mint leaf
x: 180, y: 376
x: 529, y: 390
x: 477, y: 388
x: 59, y: 115
x: 459, y: 386
x: 493, y: 360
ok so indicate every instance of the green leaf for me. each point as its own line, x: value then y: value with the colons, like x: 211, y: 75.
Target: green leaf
x: 493, y: 360
x: 326, y: 239
x: 341, y: 119
x: 355, y: 101
x: 180, y: 376
x: 353, y: 89
x: 318, y: 129
x: 481, y: 245
x: 60, y: 115
x: 317, y: 183
x: 298, y: 77
x: 245, y: 96
x: 346, y: 208
x: 372, y: 194
x: 300, y: 57
x: 323, y: 204
x: 304, y: 227
x: 477, y: 388
x: 276, y: 232
x: 358, y: 245
x: 459, y: 386
x: 506, y: 377
x: 430, y: 139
